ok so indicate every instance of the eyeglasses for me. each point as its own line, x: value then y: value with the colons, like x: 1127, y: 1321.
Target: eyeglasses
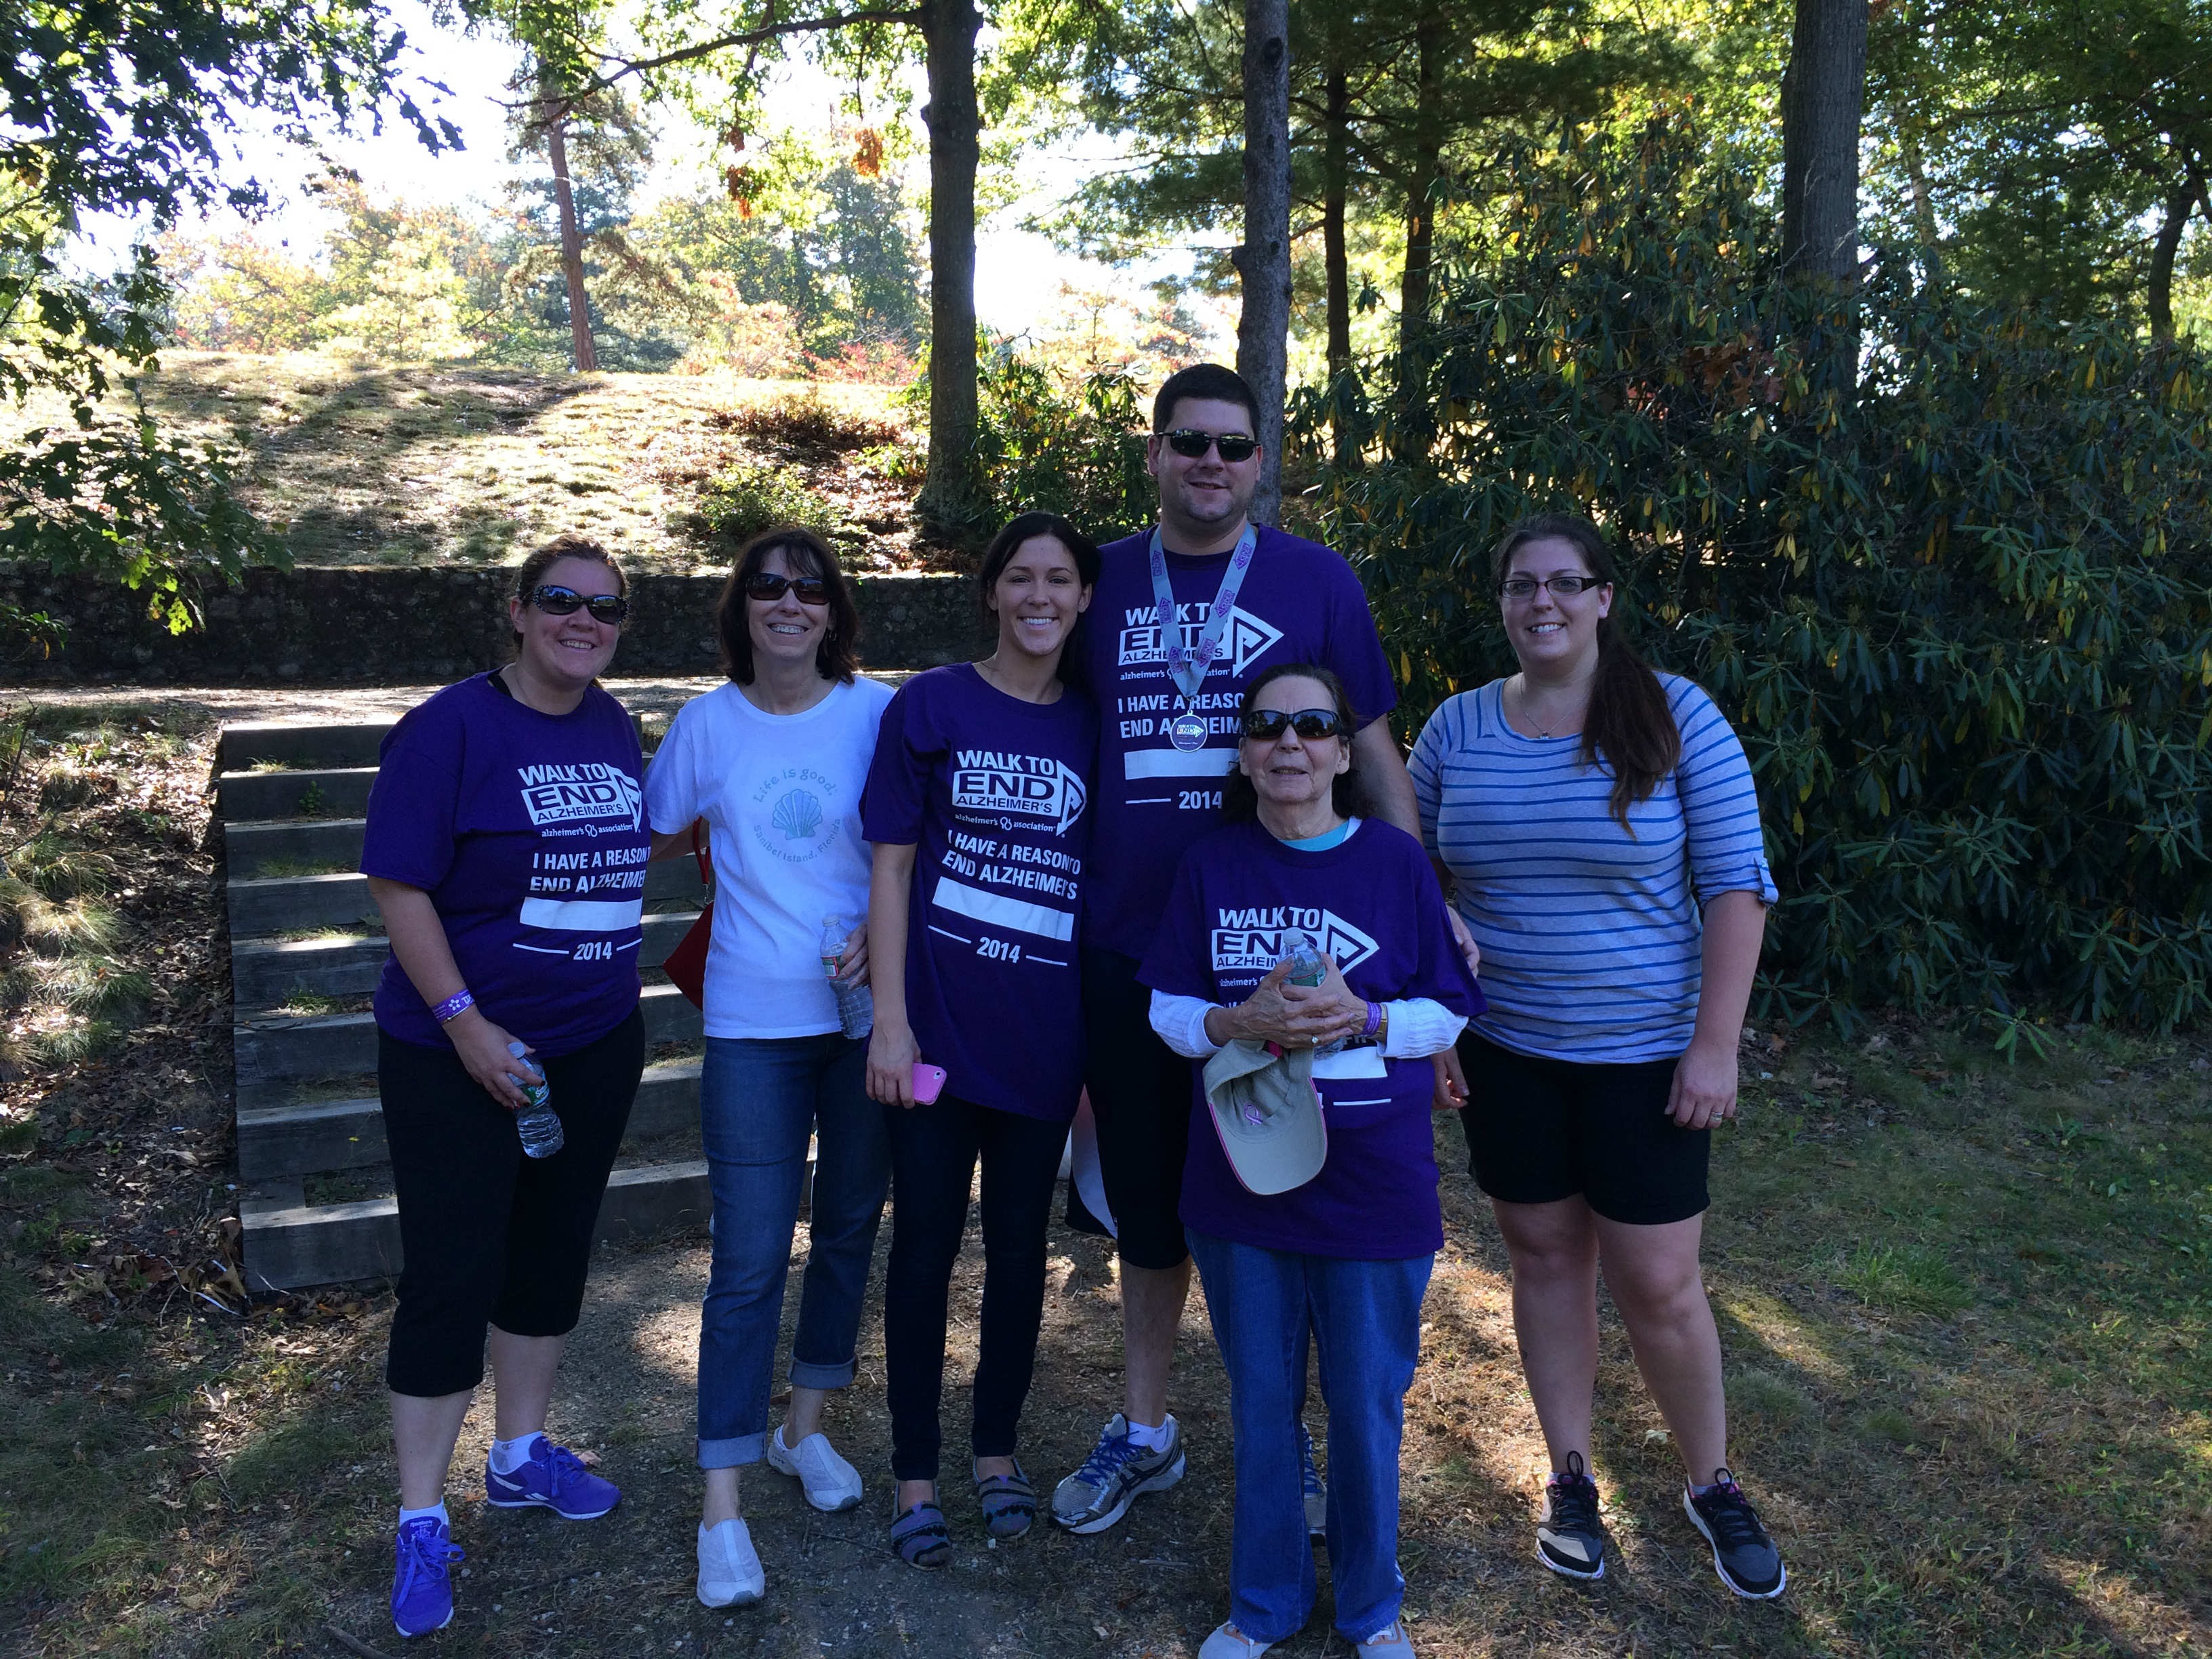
x: 1191, y: 443
x: 1265, y: 725
x: 554, y: 601
x: 1561, y: 588
x: 768, y: 587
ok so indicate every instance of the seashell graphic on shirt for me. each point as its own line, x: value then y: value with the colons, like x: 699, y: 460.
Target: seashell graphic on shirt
x: 798, y: 815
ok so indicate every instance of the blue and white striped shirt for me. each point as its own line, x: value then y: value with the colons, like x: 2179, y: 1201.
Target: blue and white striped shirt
x: 1590, y: 937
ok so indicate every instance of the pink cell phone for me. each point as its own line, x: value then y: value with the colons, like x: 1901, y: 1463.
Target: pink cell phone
x: 928, y: 1083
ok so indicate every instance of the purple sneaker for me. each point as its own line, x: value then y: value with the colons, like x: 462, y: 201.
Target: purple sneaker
x: 422, y: 1593
x: 553, y: 1479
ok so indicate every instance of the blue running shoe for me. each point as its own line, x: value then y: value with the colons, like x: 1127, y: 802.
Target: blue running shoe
x: 1115, y: 1474
x: 1316, y: 1494
x: 553, y: 1479
x: 422, y: 1593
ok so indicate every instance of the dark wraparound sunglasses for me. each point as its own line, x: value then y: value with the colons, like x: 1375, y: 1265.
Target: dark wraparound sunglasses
x: 1265, y: 725
x: 1190, y: 443
x: 555, y: 601
x: 768, y: 587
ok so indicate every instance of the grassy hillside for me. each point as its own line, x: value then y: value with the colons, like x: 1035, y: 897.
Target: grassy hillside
x: 362, y: 463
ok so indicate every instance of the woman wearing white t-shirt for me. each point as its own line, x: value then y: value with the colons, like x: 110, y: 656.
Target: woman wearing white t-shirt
x: 775, y: 763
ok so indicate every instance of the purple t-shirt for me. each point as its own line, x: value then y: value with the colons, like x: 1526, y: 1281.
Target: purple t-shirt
x: 528, y: 832
x: 1374, y: 905
x: 993, y: 794
x: 1300, y: 603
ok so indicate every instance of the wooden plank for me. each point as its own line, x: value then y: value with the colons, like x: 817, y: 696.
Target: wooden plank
x: 247, y: 742
x: 337, y: 791
x: 337, y: 1243
x: 337, y: 1045
x: 265, y: 973
x: 249, y: 849
x: 280, y: 904
x: 294, y: 1139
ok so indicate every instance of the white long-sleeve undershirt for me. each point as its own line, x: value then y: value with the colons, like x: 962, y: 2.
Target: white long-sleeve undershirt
x: 1420, y: 1026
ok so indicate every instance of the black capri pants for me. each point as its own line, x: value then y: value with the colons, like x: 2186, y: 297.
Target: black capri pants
x: 1141, y: 1091
x: 491, y: 1236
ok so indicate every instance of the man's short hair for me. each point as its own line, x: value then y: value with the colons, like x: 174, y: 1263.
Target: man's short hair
x: 1210, y: 381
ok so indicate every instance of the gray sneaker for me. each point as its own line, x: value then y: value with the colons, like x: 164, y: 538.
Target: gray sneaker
x: 1114, y: 1474
x: 1317, y: 1495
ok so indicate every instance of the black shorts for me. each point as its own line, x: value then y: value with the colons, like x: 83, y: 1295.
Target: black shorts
x: 1539, y: 1130
x: 1141, y: 1102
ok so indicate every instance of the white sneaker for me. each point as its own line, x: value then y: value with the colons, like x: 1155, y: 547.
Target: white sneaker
x: 1228, y: 1642
x: 831, y: 1483
x: 730, y: 1573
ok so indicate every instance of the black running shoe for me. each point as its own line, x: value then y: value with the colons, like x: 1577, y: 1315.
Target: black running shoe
x: 1569, y: 1539
x: 1743, y: 1555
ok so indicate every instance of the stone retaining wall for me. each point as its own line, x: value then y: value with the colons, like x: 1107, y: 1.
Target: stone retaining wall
x: 394, y: 626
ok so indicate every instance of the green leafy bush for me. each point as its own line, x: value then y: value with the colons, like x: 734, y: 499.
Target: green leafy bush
x: 1076, y: 448
x: 742, y: 501
x: 1949, y: 573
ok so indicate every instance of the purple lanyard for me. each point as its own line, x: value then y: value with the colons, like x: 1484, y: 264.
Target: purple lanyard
x: 1188, y: 668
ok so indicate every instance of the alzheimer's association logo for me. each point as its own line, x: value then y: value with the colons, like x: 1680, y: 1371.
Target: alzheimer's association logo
x: 593, y: 791
x: 1247, y: 637
x: 1253, y: 939
x: 990, y: 783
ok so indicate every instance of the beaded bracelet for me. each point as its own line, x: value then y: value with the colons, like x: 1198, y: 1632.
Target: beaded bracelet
x: 453, y: 1007
x: 1373, y: 1019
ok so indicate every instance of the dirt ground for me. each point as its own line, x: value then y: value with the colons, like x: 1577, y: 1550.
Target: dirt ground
x: 1963, y: 1303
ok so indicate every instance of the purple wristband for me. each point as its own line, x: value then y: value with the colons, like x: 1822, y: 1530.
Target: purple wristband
x: 1373, y: 1019
x: 454, y: 1006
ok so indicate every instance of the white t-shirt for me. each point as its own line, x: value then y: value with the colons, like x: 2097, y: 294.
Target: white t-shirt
x: 781, y: 797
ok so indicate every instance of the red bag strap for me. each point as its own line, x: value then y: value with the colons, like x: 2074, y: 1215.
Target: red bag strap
x: 706, y: 874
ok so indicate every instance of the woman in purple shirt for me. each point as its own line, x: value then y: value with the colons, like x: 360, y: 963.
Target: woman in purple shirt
x: 1324, y: 1235
x: 976, y: 807
x: 506, y: 846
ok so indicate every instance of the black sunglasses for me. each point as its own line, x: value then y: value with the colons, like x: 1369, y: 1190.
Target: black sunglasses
x: 566, y: 601
x: 1190, y: 443
x: 768, y: 587
x: 1265, y: 725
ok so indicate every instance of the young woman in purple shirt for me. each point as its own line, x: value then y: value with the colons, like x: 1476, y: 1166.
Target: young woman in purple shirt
x: 1340, y: 1260
x: 977, y: 808
x: 506, y: 846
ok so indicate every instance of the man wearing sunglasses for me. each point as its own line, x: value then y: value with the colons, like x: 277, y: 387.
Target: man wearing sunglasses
x: 1242, y: 598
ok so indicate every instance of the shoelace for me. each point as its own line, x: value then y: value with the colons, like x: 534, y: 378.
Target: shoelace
x: 562, y: 1466
x: 1107, y: 1457
x: 1729, y: 1514
x: 1308, y: 1473
x: 1574, y: 1502
x: 423, y: 1552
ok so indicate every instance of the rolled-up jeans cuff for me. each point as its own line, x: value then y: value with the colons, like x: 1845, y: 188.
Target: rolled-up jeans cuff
x: 805, y: 1374
x: 731, y: 1453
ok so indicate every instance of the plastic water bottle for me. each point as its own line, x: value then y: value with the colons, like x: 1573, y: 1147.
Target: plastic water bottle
x: 856, y: 1004
x: 1308, y: 969
x: 536, y: 1124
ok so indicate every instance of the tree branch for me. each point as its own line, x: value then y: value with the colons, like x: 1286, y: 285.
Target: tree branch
x: 629, y: 66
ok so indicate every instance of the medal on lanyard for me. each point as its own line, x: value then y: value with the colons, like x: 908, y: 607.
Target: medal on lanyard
x: 1188, y: 666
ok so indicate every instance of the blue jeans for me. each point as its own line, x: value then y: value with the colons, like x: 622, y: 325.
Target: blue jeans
x: 1365, y: 1318
x: 758, y: 1101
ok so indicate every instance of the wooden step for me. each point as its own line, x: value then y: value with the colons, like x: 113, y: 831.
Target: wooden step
x: 270, y: 1053
x: 268, y: 973
x: 283, y: 903
x: 250, y: 848
x: 330, y: 792
x: 288, y: 1247
x: 291, y: 1139
x: 249, y: 743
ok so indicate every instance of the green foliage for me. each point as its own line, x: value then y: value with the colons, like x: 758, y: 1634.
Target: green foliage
x: 1062, y: 444
x: 744, y: 499
x: 1907, y: 1278
x: 1959, y: 607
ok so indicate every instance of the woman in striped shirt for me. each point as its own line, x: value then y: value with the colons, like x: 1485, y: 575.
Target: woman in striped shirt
x: 1599, y: 827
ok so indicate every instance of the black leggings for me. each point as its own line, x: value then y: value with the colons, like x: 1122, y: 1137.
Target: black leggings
x: 487, y: 1234
x: 934, y: 1153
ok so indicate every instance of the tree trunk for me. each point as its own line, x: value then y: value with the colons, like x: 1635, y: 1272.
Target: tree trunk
x: 2179, y: 200
x: 1823, y: 97
x: 950, y: 506
x: 1924, y: 201
x: 1263, y: 325
x: 572, y: 242
x: 1413, y: 426
x: 1335, y: 168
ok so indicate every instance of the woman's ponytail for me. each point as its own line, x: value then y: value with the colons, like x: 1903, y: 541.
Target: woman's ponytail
x: 1629, y: 719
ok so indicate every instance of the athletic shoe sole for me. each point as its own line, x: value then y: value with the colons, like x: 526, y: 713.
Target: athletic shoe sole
x: 741, y: 1599
x: 547, y: 1504
x: 1158, y: 1482
x: 780, y: 1462
x: 410, y: 1635
x: 1575, y: 1574
x: 1698, y: 1522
